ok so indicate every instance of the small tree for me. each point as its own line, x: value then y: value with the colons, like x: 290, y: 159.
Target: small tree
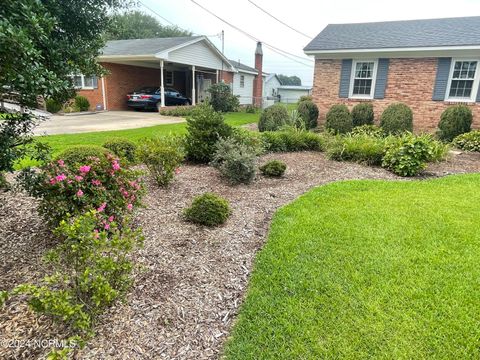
x: 222, y: 99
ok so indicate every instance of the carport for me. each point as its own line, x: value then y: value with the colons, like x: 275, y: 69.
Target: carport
x: 187, y: 64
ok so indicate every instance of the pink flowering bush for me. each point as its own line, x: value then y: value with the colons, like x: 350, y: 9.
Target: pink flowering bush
x: 99, y: 184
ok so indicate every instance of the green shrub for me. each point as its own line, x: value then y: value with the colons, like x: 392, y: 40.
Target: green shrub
x: 53, y: 106
x: 273, y: 168
x: 249, y: 138
x: 250, y: 109
x: 80, y: 154
x: 357, y: 148
x: 121, y: 147
x: 339, y: 119
x: 362, y: 114
x: 208, y: 209
x: 81, y: 103
x: 295, y: 122
x: 368, y: 130
x: 235, y: 161
x: 273, y: 118
x: 204, y: 128
x: 180, y: 111
x: 454, y: 121
x: 309, y: 113
x: 396, y: 119
x: 162, y: 156
x: 408, y: 154
x: 222, y: 99
x: 305, y: 98
x: 290, y: 141
x: 469, y: 141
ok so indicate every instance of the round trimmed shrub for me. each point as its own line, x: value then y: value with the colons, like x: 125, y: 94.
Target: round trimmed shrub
x: 53, y: 106
x: 362, y: 114
x: 454, y: 121
x: 396, y: 119
x: 469, y: 141
x: 208, y: 209
x: 339, y: 119
x: 309, y: 113
x: 305, y: 98
x: 81, y: 103
x: 121, y: 147
x: 80, y: 154
x: 273, y: 118
x: 273, y: 168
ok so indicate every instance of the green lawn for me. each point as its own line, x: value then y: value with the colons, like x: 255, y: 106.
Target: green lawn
x: 368, y: 269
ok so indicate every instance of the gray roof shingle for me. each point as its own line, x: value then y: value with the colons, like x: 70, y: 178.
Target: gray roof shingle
x: 241, y: 66
x: 461, y: 31
x: 143, y: 46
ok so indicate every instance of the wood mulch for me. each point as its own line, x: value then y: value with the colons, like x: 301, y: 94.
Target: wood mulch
x: 191, y: 280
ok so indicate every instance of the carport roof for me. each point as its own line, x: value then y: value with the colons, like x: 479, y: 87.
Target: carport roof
x: 144, y: 46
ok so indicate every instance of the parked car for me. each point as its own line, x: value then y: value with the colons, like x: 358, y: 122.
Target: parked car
x: 149, y: 98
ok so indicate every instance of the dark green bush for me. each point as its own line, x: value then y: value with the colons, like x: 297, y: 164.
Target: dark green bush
x: 289, y: 141
x: 273, y: 118
x: 273, y: 168
x: 53, y: 106
x: 222, y: 99
x: 80, y: 154
x: 454, y: 121
x: 181, y: 111
x: 469, y: 141
x: 123, y: 148
x: 396, y: 119
x: 81, y: 103
x: 362, y: 114
x: 250, y: 109
x: 339, y: 119
x: 204, y: 128
x: 208, y: 209
x: 357, y: 148
x: 305, y: 98
x: 309, y: 113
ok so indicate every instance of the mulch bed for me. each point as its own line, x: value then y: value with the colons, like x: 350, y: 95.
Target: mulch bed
x: 191, y: 280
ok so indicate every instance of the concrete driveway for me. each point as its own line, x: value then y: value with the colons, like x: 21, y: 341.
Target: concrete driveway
x: 102, y: 121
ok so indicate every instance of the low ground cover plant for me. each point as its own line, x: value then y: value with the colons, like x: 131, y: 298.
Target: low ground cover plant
x: 454, y: 121
x: 273, y: 118
x: 273, y: 168
x: 236, y: 161
x: 289, y: 141
x: 180, y: 111
x: 362, y: 114
x: 360, y: 148
x: 122, y: 147
x: 469, y: 141
x: 162, y: 157
x: 339, y: 119
x: 396, y: 119
x: 208, y: 209
x: 368, y: 130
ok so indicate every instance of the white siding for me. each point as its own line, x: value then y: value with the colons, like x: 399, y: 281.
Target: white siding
x: 271, y: 85
x: 290, y: 96
x: 245, y: 93
x: 198, y: 54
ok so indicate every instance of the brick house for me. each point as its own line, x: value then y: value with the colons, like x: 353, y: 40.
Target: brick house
x: 187, y: 64
x: 426, y: 64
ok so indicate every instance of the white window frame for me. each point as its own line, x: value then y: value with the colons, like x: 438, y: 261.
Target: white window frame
x: 352, y: 79
x: 242, y: 81
x: 83, y: 87
x: 476, y: 79
x: 171, y: 83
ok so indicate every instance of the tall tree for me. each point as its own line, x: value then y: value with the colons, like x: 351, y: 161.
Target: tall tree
x: 137, y: 25
x: 289, y: 80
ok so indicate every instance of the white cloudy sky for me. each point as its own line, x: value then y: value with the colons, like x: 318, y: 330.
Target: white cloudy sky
x: 310, y: 17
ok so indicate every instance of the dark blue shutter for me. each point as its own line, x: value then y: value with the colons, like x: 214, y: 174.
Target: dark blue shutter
x: 478, y: 92
x: 441, y: 81
x: 345, y: 75
x: 382, y: 75
x: 95, y: 82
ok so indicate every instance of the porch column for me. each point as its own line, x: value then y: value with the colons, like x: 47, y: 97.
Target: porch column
x: 217, y: 75
x: 194, y: 100
x: 162, y: 89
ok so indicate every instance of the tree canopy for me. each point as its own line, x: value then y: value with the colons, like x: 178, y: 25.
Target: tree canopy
x: 289, y: 80
x: 138, y: 25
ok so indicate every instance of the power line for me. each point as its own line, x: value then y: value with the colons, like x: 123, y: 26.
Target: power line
x: 280, y: 21
x: 273, y: 48
x: 163, y: 18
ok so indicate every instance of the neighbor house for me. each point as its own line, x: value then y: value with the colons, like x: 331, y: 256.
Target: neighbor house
x: 426, y: 64
x: 188, y: 64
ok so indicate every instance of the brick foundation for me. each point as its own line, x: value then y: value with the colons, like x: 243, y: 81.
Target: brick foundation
x: 410, y: 81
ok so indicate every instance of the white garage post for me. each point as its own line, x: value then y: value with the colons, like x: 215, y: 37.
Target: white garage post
x: 193, y: 86
x: 162, y: 89
x: 217, y: 76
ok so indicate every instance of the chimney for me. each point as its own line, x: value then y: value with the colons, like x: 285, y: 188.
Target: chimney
x: 258, y: 82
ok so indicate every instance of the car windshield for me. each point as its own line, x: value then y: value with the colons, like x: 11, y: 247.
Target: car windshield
x: 147, y: 90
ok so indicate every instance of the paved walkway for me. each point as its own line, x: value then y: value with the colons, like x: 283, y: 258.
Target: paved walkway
x: 102, y: 121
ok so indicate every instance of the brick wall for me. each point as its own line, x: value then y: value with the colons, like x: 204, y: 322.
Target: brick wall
x: 94, y: 96
x: 410, y: 81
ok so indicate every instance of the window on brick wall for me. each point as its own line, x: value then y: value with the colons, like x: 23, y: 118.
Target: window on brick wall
x: 363, y: 79
x: 463, y: 82
x: 84, y: 82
